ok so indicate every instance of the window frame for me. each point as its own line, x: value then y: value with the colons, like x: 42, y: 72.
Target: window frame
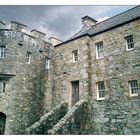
x: 28, y: 57
x: 100, y: 90
x: 129, y: 43
x: 2, y: 51
x: 132, y: 88
x: 99, y: 44
x: 47, y: 63
x: 74, y: 56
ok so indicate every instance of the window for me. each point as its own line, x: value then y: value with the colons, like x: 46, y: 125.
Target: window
x: 2, y: 51
x: 28, y: 57
x: 75, y: 55
x: 99, y: 50
x: 100, y: 91
x: 48, y: 63
x: 133, y: 87
x: 4, y: 86
x: 130, y: 42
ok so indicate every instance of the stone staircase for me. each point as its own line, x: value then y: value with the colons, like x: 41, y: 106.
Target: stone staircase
x: 61, y: 121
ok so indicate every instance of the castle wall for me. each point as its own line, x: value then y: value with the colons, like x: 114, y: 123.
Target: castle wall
x: 119, y: 113
x: 67, y: 71
x: 24, y: 99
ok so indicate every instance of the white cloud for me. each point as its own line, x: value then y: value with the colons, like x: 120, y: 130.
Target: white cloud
x: 102, y: 18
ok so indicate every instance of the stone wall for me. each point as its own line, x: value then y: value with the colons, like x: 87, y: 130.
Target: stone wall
x: 67, y: 71
x: 48, y: 120
x: 119, y: 113
x: 74, y: 122
x: 24, y: 99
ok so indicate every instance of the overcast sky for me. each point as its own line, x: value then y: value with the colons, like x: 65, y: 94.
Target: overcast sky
x: 58, y: 21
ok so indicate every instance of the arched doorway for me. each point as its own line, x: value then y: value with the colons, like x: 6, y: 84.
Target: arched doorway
x: 2, y: 123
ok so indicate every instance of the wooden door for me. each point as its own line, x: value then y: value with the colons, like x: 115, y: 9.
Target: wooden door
x: 75, y: 92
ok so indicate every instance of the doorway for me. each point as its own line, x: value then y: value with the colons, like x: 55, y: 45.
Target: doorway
x: 75, y: 92
x: 2, y: 123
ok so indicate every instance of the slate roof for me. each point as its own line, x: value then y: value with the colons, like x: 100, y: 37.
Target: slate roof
x: 113, y: 21
x: 120, y: 19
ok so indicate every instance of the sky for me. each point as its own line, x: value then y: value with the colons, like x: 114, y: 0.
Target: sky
x: 57, y: 21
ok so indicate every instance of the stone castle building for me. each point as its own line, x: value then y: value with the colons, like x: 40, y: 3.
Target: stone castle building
x: 89, y: 84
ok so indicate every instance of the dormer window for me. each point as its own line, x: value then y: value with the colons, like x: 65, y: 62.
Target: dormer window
x: 2, y: 51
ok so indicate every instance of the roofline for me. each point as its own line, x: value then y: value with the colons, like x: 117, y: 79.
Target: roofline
x: 83, y: 18
x: 19, y: 23
x: 116, y: 26
x: 72, y: 39
x: 113, y: 27
x: 56, y: 39
x: 38, y: 31
x: 10, y: 75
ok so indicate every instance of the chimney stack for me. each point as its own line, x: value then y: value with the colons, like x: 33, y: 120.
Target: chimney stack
x: 54, y: 41
x: 38, y: 34
x: 17, y: 26
x: 2, y: 24
x: 87, y: 22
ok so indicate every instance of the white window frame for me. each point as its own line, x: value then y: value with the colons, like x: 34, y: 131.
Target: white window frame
x: 28, y: 57
x: 99, y: 44
x: 133, y: 88
x: 75, y: 57
x: 129, y: 43
x: 101, y: 90
x: 2, y: 51
x: 47, y: 65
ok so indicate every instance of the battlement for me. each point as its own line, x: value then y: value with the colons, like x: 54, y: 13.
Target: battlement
x: 16, y: 26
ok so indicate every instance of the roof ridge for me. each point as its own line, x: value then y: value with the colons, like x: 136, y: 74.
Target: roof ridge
x: 114, y: 16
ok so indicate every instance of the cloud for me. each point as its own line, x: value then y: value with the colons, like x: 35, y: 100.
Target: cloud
x: 58, y: 21
x: 102, y: 18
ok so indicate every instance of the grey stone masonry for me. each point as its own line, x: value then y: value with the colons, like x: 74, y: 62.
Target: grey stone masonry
x: 23, y: 101
x: 48, y: 120
x: 73, y: 121
x: 96, y: 72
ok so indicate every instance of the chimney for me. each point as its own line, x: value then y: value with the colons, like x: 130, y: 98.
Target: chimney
x: 17, y: 26
x: 2, y: 24
x: 38, y: 34
x: 87, y: 22
x: 54, y: 41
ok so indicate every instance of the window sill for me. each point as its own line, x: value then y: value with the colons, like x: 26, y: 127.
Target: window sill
x: 99, y: 58
x: 75, y: 62
x: 129, y: 49
x: 133, y: 95
x: 28, y: 63
x: 99, y: 99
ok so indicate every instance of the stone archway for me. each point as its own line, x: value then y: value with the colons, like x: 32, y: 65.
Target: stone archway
x: 2, y: 123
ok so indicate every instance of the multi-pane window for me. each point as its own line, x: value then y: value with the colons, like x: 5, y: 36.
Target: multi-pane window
x: 130, y: 42
x: 133, y: 86
x: 75, y: 55
x: 100, y: 90
x: 28, y: 57
x: 99, y: 50
x: 47, y: 63
x: 2, y: 51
